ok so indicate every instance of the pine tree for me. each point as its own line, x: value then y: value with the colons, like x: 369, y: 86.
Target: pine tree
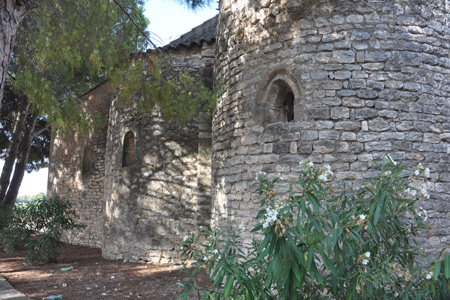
x: 62, y: 50
x: 65, y: 48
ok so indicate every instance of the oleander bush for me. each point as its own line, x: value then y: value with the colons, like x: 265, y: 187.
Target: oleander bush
x: 325, y: 241
x: 37, y: 226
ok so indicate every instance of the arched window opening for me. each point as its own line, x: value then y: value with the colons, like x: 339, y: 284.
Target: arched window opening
x: 284, y: 102
x: 128, y: 149
x: 289, y: 107
x: 278, y: 98
x: 87, y: 158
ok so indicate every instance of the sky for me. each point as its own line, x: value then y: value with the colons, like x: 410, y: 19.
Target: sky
x: 168, y: 20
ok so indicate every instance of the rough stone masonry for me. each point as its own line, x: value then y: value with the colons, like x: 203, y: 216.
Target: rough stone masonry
x: 334, y: 82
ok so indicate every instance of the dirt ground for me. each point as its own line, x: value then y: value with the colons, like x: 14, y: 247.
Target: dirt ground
x: 93, y: 277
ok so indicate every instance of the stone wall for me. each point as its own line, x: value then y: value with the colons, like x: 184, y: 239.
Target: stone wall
x: 68, y: 180
x: 367, y: 78
x: 139, y: 210
x: 334, y: 82
x: 165, y: 194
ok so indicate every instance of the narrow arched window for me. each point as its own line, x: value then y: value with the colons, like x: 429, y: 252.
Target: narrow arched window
x: 283, y: 102
x: 87, y: 156
x: 289, y: 107
x: 278, y: 98
x: 128, y: 149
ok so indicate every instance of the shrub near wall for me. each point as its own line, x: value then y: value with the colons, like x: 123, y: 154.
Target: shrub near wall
x: 326, y: 241
x: 37, y: 226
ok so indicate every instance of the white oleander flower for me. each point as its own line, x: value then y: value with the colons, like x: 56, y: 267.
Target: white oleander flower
x: 185, y: 238
x: 421, y: 213
x: 424, y: 193
x: 216, y: 251
x: 241, y: 228
x: 270, y: 216
x: 205, y: 258
x: 429, y: 275
x: 322, y: 177
x: 362, y: 217
x: 326, y: 173
x: 365, y: 262
x: 416, y: 172
x: 306, y: 164
x: 412, y: 192
x: 260, y: 174
x: 426, y: 173
x: 367, y: 254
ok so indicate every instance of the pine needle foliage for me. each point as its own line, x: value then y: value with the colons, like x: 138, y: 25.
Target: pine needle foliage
x: 65, y: 48
x: 148, y: 84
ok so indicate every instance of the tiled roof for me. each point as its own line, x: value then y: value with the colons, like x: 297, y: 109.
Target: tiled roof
x: 205, y: 32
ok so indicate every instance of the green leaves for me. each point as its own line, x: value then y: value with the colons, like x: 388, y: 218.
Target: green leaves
x: 325, y: 241
x: 66, y: 48
x: 447, y: 266
x: 38, y: 226
x: 147, y: 83
x: 228, y: 285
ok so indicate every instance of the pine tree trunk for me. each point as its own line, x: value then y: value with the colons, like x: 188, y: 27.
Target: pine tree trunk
x: 11, y: 155
x: 19, y: 170
x: 12, y: 13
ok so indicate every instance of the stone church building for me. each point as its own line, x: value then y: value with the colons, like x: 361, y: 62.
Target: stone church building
x: 334, y: 82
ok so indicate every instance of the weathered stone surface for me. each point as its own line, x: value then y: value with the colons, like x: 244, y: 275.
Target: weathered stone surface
x: 329, y: 135
x: 379, y: 124
x: 360, y: 35
x: 367, y: 94
x: 353, y: 102
x: 324, y: 146
x: 378, y: 146
x: 367, y: 79
x: 374, y: 80
x: 139, y: 210
x: 340, y: 113
x: 348, y: 125
x: 344, y: 56
x: 365, y: 113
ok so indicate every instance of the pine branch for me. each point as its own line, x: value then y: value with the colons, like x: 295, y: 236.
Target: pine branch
x: 36, y: 133
x: 158, y: 49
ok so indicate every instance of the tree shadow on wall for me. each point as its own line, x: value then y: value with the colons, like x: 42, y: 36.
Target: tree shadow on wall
x: 162, y: 197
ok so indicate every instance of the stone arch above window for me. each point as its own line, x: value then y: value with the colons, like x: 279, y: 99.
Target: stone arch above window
x: 278, y: 98
x: 87, y: 159
x: 128, y: 149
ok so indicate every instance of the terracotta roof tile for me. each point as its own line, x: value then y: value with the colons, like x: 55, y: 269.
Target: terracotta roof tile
x: 205, y: 32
